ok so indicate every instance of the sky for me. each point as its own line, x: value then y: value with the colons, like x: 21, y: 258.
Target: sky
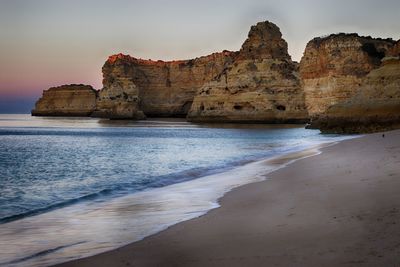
x: 46, y: 43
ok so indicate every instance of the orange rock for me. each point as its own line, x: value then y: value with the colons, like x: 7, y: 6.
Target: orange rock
x: 261, y: 84
x: 66, y: 100
x: 333, y: 67
x: 375, y: 107
x: 155, y: 88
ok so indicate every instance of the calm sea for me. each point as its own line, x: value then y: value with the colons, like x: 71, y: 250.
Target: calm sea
x: 74, y: 187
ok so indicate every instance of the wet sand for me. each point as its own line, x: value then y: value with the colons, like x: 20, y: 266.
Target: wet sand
x: 339, y: 208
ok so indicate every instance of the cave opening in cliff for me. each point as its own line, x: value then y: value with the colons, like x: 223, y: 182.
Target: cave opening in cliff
x: 186, y: 107
x: 371, y: 50
x: 281, y: 107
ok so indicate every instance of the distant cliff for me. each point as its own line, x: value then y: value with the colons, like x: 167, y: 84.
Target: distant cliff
x: 344, y: 83
x: 156, y: 88
x: 261, y: 84
x: 66, y: 100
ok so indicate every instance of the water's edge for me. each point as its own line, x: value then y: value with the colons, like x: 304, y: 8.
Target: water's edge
x: 131, y: 218
x: 281, y: 160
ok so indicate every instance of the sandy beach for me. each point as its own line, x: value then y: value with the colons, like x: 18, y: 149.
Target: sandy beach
x: 339, y: 208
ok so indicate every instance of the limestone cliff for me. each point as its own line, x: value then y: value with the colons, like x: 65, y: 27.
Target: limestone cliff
x: 333, y: 67
x: 66, y: 100
x: 375, y: 107
x: 156, y: 88
x: 119, y: 98
x: 260, y: 85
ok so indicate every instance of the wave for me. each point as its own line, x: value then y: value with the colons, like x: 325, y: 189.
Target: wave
x: 124, y: 189
x: 41, y: 253
x: 55, y: 206
x: 161, y: 181
x: 135, y: 215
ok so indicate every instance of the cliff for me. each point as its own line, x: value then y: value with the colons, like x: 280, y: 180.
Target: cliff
x: 332, y: 68
x: 344, y: 82
x: 261, y: 84
x: 119, y: 98
x: 66, y: 100
x: 134, y: 87
x: 375, y: 107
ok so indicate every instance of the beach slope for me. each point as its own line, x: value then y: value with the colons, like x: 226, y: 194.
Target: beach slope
x: 339, y: 208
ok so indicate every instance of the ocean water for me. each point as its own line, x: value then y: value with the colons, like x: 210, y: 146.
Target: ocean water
x: 74, y: 187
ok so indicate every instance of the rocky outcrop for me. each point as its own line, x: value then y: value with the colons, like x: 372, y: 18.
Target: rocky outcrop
x: 261, y: 84
x: 119, y: 98
x: 332, y: 68
x: 66, y: 100
x: 134, y: 87
x: 344, y: 82
x: 375, y: 107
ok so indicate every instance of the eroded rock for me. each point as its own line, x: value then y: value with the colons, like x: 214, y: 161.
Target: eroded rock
x: 375, y: 107
x: 66, y: 100
x: 156, y: 88
x: 260, y: 85
x: 332, y: 68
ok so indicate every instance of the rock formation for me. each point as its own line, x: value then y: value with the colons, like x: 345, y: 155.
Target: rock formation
x: 119, y: 98
x: 333, y: 67
x: 375, y: 107
x: 344, y: 82
x: 66, y: 100
x: 261, y: 84
x: 156, y: 88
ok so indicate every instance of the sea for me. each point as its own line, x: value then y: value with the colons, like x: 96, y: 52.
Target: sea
x: 76, y: 187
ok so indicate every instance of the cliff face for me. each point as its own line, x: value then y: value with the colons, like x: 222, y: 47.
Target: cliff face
x: 342, y: 78
x: 66, y: 100
x: 332, y: 68
x: 261, y: 84
x: 375, y: 107
x: 156, y: 88
x: 119, y: 98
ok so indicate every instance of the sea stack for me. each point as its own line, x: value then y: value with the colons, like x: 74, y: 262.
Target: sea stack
x: 260, y: 85
x: 66, y: 100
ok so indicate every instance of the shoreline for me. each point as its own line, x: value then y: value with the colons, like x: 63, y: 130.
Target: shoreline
x: 257, y: 224
x: 133, y: 217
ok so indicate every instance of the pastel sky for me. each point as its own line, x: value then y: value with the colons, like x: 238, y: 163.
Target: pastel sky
x: 45, y: 43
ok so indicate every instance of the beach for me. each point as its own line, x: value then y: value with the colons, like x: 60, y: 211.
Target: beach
x: 199, y: 133
x: 338, y: 208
